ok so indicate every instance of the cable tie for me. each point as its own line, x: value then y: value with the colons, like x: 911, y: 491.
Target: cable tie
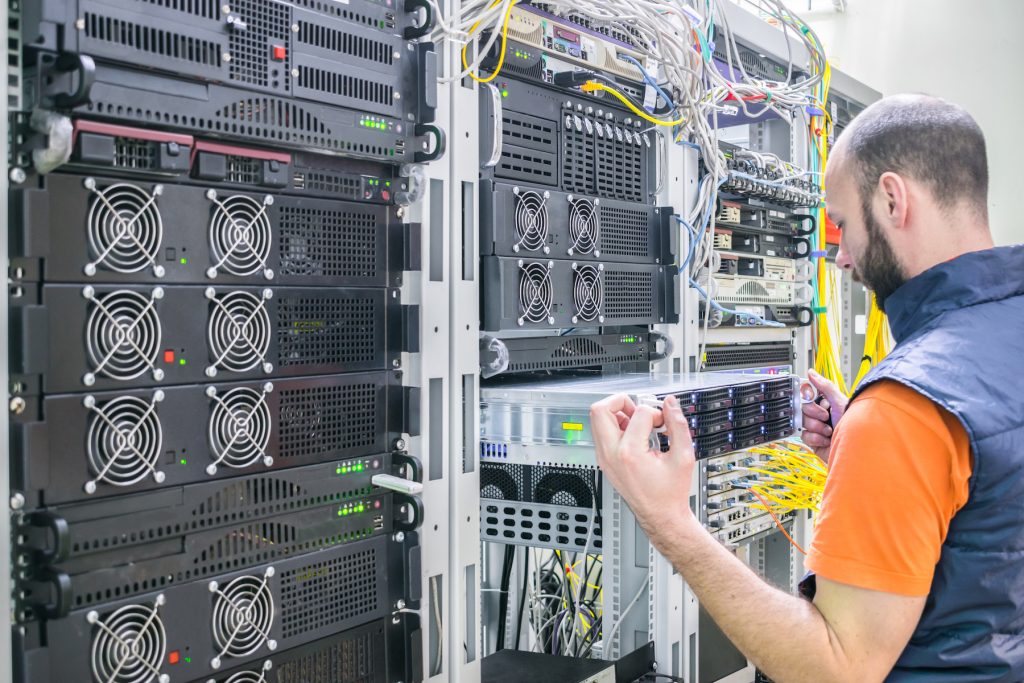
x: 814, y: 111
x: 819, y: 309
x: 818, y: 253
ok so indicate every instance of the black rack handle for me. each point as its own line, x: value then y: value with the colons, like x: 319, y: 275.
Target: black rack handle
x: 414, y: 32
x: 404, y: 524
x: 62, y: 594
x: 814, y: 224
x: 70, y: 62
x: 804, y: 315
x: 441, y: 142
x: 413, y: 467
x: 58, y: 526
x: 801, y: 251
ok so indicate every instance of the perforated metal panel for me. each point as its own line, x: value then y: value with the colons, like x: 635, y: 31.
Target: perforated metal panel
x: 539, y: 526
x: 329, y: 242
x: 318, y: 331
x: 628, y: 294
x: 266, y: 23
x: 326, y: 419
x: 624, y: 232
x: 346, y: 43
x: 160, y: 43
x: 748, y: 356
x: 330, y: 592
x: 356, y: 656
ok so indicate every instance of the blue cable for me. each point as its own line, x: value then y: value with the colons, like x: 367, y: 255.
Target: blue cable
x: 650, y: 81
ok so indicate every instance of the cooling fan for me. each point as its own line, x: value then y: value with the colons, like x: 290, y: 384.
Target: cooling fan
x: 124, y: 229
x: 240, y: 235
x: 128, y: 646
x: 588, y: 292
x: 250, y: 676
x: 243, y: 613
x: 531, y: 221
x: 536, y: 294
x: 123, y: 442
x: 239, y: 331
x: 122, y: 334
x: 563, y: 486
x: 239, y: 428
x: 584, y: 226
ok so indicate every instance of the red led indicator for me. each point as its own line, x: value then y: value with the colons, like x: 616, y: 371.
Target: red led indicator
x: 168, y: 356
x: 280, y: 53
x: 376, y: 504
x: 173, y: 657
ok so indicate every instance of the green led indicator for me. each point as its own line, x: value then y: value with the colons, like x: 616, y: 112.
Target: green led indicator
x: 184, y: 461
x: 188, y: 660
x: 504, y: 93
x: 184, y: 261
x: 387, y: 183
x: 337, y: 470
x: 181, y: 361
x: 339, y: 513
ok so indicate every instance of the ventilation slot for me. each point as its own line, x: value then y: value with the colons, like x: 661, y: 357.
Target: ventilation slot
x: 527, y: 131
x: 346, y: 86
x: 502, y: 482
x: 317, y: 242
x: 525, y: 164
x: 748, y: 356
x: 335, y: 10
x: 578, y: 156
x: 326, y: 593
x: 270, y: 111
x: 624, y: 232
x: 152, y: 40
x: 346, y: 43
x: 628, y: 295
x: 208, y: 9
x: 244, y: 170
x: 352, y: 660
x: 325, y: 331
x: 320, y: 421
x: 343, y: 187
x: 134, y: 154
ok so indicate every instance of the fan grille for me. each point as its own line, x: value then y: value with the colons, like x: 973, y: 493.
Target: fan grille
x: 239, y: 331
x: 535, y: 293
x: 243, y: 613
x: 124, y: 228
x: 584, y: 227
x: 251, y: 676
x: 128, y: 645
x: 588, y: 293
x: 240, y: 235
x: 239, y: 428
x: 123, y: 442
x: 122, y: 334
x: 531, y: 221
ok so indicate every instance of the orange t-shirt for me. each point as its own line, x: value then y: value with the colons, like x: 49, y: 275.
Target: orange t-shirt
x: 898, y: 471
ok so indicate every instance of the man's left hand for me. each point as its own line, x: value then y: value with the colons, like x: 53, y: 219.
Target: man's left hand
x: 656, y: 485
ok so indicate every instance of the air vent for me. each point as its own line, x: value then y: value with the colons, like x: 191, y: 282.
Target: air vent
x: 329, y: 243
x: 747, y: 356
x: 501, y: 481
x: 251, y: 63
x: 122, y: 334
x: 328, y: 331
x: 343, y: 42
x: 123, y: 444
x: 350, y: 657
x: 325, y: 182
x: 258, y: 676
x: 524, y: 164
x: 628, y: 294
x: 154, y: 41
x: 521, y: 130
x: 238, y: 333
x: 321, y: 594
x: 346, y: 86
x: 128, y: 646
x: 329, y: 420
x: 134, y: 154
x: 274, y: 113
x: 578, y: 153
x: 207, y: 9
x: 562, y: 486
x: 531, y: 220
x: 624, y: 231
x: 536, y: 294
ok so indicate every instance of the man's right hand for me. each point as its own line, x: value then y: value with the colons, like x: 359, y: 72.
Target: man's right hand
x: 817, y: 433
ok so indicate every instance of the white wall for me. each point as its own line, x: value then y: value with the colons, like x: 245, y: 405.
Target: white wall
x: 968, y: 51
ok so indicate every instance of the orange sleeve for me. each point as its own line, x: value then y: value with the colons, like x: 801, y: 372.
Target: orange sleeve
x: 899, y: 470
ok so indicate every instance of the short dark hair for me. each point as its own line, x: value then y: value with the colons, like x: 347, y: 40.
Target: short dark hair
x: 923, y: 137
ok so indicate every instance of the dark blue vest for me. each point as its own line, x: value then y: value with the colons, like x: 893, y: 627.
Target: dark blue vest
x: 959, y: 329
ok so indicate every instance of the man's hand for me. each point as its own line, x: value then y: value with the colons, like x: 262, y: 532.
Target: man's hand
x: 817, y: 434
x: 656, y: 485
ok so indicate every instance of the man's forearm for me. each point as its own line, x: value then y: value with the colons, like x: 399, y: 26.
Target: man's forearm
x: 784, y: 635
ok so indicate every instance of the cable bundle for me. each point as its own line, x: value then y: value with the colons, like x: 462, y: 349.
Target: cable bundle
x: 877, y: 341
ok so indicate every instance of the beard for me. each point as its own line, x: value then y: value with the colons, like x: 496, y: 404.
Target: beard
x: 880, y: 270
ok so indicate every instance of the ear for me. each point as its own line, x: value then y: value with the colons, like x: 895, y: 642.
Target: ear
x: 894, y: 199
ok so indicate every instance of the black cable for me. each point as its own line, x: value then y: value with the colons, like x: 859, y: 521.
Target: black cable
x: 522, y: 598
x: 506, y: 578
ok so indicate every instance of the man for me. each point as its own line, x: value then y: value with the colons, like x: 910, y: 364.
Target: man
x: 919, y: 547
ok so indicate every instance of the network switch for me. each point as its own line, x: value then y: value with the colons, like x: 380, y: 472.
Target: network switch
x: 569, y: 352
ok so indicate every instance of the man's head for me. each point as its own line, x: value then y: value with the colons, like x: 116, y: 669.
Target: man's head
x: 907, y: 183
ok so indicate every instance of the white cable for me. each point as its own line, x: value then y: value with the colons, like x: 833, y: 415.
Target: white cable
x: 618, y: 622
